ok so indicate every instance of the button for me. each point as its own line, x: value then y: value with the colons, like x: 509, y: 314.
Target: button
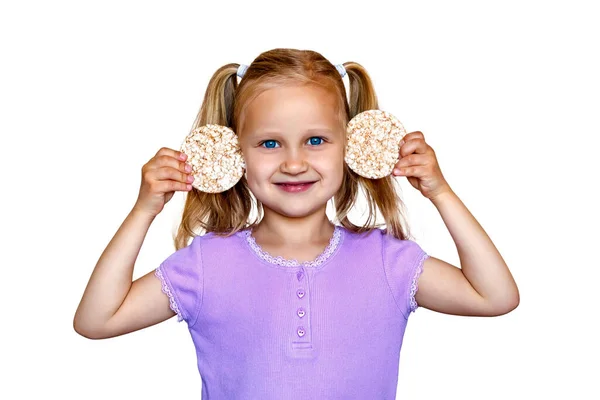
x: 300, y: 293
x: 301, y: 312
x: 301, y: 331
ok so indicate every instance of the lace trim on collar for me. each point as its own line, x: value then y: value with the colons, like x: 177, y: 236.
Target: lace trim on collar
x: 331, y: 247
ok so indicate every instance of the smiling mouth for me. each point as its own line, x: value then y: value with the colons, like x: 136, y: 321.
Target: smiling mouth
x: 295, y: 183
x: 295, y: 187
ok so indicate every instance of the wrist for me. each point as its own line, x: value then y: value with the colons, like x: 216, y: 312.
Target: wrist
x: 442, y: 196
x: 140, y: 213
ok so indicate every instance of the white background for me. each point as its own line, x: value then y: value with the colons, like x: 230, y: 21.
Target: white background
x: 506, y: 93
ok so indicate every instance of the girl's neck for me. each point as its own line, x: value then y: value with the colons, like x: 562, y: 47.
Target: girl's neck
x: 285, y: 231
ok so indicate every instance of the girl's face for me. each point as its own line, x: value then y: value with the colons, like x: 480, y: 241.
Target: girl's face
x: 293, y: 134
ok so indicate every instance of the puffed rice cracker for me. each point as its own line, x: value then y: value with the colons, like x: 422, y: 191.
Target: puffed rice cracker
x: 215, y: 157
x: 373, y: 143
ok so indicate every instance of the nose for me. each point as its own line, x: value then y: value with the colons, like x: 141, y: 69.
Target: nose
x: 294, y: 162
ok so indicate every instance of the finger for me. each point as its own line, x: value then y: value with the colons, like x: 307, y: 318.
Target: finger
x: 169, y: 161
x: 414, y: 170
x: 405, y: 139
x: 165, y: 151
x: 410, y: 160
x: 414, y: 135
x: 168, y: 173
x: 416, y: 145
x: 171, y: 186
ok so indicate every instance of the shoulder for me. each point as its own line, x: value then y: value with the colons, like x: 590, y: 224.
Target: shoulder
x: 212, y: 242
x: 200, y: 242
x: 378, y: 243
x: 392, y: 245
x: 376, y: 238
x: 402, y: 257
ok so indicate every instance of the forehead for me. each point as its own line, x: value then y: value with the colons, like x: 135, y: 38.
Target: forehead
x: 292, y: 108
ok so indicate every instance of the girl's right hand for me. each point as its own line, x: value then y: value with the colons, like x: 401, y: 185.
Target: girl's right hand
x: 161, y: 176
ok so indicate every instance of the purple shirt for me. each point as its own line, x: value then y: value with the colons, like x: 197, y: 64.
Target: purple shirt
x: 271, y: 328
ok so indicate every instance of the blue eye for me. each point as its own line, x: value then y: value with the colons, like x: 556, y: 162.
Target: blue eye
x: 317, y: 138
x: 269, y: 143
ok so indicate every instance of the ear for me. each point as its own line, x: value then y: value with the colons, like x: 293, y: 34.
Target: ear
x: 373, y: 143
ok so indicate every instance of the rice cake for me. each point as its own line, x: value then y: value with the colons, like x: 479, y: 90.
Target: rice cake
x: 215, y: 157
x: 373, y: 143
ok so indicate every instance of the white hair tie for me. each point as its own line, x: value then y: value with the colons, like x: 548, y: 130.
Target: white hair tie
x: 242, y: 70
x: 341, y: 69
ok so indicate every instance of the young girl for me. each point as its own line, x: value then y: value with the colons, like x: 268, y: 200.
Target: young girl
x: 291, y: 305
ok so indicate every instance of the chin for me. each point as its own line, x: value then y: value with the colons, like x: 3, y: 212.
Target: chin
x: 292, y: 211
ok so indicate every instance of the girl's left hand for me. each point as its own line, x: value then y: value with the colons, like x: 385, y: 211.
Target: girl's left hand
x: 419, y: 164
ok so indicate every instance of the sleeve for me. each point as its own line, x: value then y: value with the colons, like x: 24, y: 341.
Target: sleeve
x: 403, y: 264
x: 181, y: 276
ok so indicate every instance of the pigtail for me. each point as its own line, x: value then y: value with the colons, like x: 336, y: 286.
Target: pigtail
x: 226, y: 212
x: 381, y: 193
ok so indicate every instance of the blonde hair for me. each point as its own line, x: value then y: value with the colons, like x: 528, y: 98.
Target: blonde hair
x: 224, y: 103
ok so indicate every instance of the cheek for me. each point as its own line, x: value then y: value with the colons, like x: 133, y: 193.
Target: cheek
x: 332, y: 161
x: 258, y: 167
x: 332, y: 169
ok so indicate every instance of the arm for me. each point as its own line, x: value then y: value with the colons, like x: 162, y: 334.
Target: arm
x: 110, y: 283
x: 483, y: 286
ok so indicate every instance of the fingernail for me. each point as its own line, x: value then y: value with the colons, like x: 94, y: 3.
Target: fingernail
x: 401, y: 142
x: 182, y: 156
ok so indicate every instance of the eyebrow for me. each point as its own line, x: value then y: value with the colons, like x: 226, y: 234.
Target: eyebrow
x: 311, y: 130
